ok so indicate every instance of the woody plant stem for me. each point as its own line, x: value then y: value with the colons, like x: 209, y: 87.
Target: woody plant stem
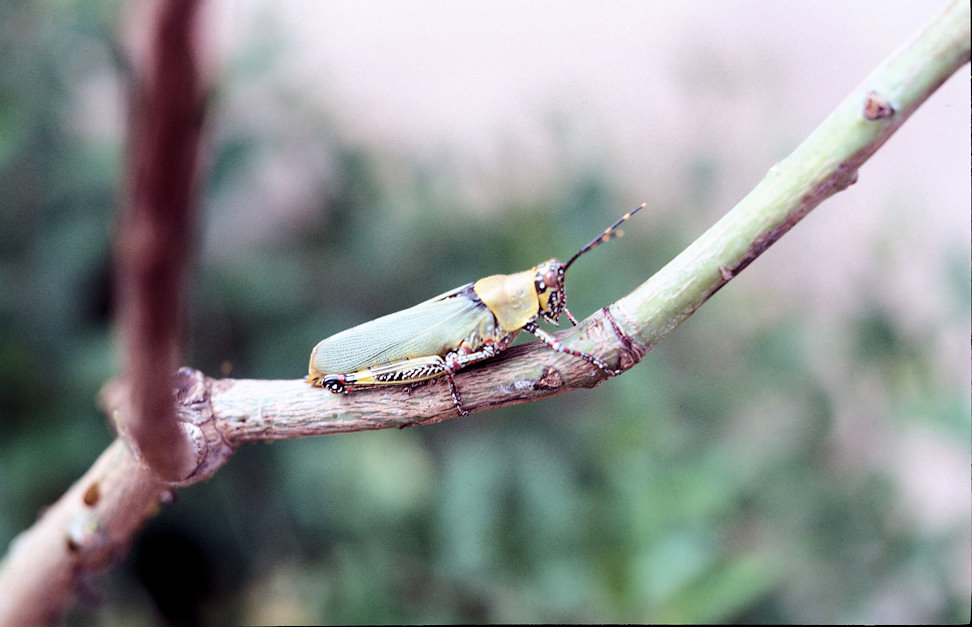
x: 91, y: 525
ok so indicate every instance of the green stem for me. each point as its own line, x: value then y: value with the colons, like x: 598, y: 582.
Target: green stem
x: 824, y: 164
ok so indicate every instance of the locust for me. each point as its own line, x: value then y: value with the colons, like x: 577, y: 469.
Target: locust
x: 445, y: 334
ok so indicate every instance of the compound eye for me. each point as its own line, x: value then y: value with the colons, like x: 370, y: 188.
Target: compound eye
x: 551, y: 279
x: 335, y: 386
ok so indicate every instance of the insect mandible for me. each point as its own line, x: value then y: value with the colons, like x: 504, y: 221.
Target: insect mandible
x: 451, y: 331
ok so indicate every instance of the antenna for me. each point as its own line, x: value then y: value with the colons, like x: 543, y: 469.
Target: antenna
x: 608, y: 234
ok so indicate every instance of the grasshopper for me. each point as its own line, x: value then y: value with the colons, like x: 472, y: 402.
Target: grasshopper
x: 444, y: 334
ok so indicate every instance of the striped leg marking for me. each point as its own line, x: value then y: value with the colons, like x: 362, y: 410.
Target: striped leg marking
x: 558, y: 346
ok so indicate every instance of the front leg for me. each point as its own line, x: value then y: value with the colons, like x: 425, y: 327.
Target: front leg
x: 558, y: 346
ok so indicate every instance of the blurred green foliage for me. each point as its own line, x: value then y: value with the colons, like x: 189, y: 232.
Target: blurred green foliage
x: 702, y: 486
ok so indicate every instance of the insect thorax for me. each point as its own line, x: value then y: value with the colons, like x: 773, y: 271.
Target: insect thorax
x: 511, y: 298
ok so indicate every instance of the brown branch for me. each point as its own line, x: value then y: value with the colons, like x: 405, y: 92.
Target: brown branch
x: 246, y: 411
x: 243, y: 411
x: 153, y: 240
x: 89, y: 529
x: 91, y: 525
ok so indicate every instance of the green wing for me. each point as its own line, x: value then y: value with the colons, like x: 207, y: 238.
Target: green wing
x: 433, y: 327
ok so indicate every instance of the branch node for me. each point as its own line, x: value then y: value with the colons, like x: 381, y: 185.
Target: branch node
x: 550, y: 379
x: 877, y: 107
x: 92, y: 494
x: 85, y: 534
x: 192, y: 392
x: 632, y: 351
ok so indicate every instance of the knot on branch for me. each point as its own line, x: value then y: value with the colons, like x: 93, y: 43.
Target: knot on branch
x: 193, y: 413
x: 877, y: 107
x: 630, y: 351
x: 192, y: 392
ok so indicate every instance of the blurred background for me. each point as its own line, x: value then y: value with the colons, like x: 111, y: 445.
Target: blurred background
x: 797, y: 451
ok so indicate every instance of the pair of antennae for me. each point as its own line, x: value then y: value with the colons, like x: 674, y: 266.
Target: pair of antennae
x: 609, y: 233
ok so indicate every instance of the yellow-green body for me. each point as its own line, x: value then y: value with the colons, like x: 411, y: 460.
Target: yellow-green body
x: 402, y: 347
x: 439, y: 336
